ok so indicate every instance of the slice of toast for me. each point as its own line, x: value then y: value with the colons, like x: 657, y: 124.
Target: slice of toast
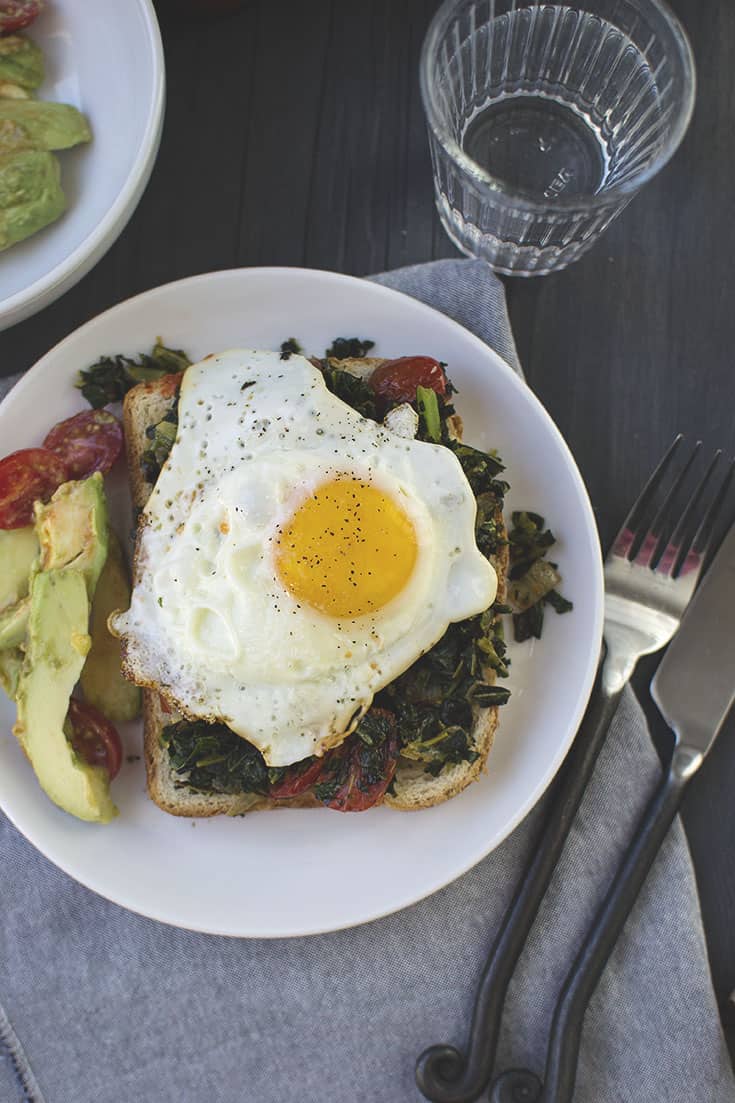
x: 413, y: 788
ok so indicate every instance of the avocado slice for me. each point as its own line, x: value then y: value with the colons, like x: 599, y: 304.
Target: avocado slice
x: 21, y: 61
x: 56, y: 646
x: 13, y: 623
x: 24, y: 176
x: 18, y: 550
x: 72, y: 529
x: 49, y: 125
x: 102, y: 680
x: 30, y: 192
x: 11, y: 663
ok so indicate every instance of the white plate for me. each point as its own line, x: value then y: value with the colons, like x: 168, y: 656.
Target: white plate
x: 299, y: 872
x: 109, y: 64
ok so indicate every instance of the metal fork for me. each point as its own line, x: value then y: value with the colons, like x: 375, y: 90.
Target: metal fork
x: 651, y: 571
x: 649, y: 579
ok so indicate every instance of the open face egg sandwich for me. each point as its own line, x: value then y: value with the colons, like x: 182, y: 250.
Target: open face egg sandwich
x: 319, y: 562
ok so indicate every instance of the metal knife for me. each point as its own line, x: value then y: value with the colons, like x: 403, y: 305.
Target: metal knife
x: 694, y: 687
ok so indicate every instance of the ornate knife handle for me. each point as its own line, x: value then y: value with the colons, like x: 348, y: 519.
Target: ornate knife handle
x: 443, y: 1073
x: 581, y: 981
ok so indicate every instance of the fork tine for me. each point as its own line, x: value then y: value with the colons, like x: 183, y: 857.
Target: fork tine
x: 691, y: 562
x: 626, y: 537
x: 679, y: 542
x: 705, y: 533
x: 650, y: 543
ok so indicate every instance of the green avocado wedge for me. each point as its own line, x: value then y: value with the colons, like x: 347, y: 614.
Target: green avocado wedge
x: 72, y: 529
x: 56, y: 646
x: 72, y: 534
x: 18, y: 550
x: 102, y: 680
x: 48, y: 125
x: 21, y: 61
x: 30, y: 194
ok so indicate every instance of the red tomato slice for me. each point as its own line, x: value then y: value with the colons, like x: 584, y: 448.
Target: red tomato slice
x: 397, y: 380
x: 297, y: 779
x: 356, y: 775
x: 15, y: 14
x: 88, y: 442
x: 25, y: 477
x: 94, y: 739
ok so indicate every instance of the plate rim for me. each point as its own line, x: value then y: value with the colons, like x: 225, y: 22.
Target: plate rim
x: 47, y: 288
x: 586, y: 684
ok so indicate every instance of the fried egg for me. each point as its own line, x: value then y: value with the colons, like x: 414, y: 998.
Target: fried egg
x: 294, y: 557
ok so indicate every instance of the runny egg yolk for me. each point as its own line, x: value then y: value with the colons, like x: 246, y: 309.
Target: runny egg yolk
x: 348, y: 549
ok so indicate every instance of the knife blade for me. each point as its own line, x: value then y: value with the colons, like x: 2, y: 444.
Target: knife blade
x: 694, y: 686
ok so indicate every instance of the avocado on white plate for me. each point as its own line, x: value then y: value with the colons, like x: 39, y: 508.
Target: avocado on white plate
x: 101, y: 180
x: 381, y: 860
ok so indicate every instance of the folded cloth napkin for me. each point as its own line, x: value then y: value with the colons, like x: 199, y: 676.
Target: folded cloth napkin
x: 103, y: 1006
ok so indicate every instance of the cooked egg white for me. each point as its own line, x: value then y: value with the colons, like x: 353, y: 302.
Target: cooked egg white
x: 294, y: 557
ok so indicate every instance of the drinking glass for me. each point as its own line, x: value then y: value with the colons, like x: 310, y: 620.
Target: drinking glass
x: 545, y: 119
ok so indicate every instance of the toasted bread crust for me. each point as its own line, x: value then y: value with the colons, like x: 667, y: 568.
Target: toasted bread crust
x: 147, y: 404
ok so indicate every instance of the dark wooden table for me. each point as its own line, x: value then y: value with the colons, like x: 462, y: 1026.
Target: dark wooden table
x: 294, y: 135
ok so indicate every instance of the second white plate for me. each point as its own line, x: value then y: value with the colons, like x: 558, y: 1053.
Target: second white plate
x: 103, y: 180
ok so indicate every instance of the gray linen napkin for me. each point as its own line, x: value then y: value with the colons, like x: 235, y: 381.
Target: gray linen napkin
x: 108, y: 1007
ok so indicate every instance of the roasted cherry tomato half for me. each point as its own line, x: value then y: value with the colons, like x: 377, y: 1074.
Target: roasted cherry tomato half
x: 87, y: 442
x: 25, y: 477
x: 397, y: 380
x: 94, y: 738
x: 296, y: 779
x: 15, y: 14
x: 356, y: 775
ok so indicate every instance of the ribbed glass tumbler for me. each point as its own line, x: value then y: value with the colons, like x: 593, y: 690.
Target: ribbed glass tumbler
x: 545, y: 119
